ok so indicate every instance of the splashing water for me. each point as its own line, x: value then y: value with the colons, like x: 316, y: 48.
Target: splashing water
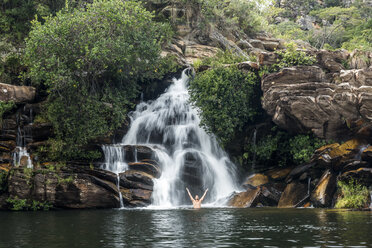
x: 187, y: 155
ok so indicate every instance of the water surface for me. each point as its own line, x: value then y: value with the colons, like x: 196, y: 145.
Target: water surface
x: 209, y: 227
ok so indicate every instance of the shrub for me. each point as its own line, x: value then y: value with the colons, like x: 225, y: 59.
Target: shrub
x: 292, y: 57
x: 22, y: 204
x: 228, y: 99
x: 353, y: 195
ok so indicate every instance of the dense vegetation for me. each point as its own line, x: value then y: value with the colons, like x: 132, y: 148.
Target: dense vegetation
x: 329, y: 24
x: 91, y: 58
x: 353, y: 195
x: 91, y: 61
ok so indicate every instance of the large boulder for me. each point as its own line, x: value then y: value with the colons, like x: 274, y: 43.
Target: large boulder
x: 18, y: 94
x: 256, y: 180
x: 323, y: 193
x: 264, y: 195
x: 306, y: 98
x: 294, y: 195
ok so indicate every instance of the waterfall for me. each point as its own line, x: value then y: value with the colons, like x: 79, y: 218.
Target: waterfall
x: 254, y: 139
x: 115, y: 162
x: 187, y: 155
x: 20, y: 151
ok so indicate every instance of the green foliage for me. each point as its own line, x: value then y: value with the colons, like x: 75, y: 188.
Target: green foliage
x: 22, y: 204
x: 353, y: 195
x: 280, y: 148
x: 227, y: 98
x: 91, y: 61
x: 336, y: 25
x: 239, y: 15
x: 302, y: 147
x: 5, y: 107
x: 291, y: 56
x: 221, y: 58
x: 17, y: 204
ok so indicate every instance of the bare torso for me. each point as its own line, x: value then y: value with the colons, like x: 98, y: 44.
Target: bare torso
x: 196, y: 203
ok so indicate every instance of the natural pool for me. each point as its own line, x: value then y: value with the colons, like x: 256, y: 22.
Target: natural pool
x: 208, y: 227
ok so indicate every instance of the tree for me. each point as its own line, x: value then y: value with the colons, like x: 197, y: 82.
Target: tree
x: 91, y: 60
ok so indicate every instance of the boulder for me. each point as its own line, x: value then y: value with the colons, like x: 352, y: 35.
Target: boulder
x: 294, y: 195
x: 304, y: 98
x: 18, y: 94
x: 362, y: 175
x: 257, y: 44
x: 332, y: 60
x: 279, y: 174
x: 199, y: 52
x: 367, y: 154
x: 133, y: 179
x: 134, y: 153
x: 324, y: 191
x: 136, y: 197
x: 151, y: 169
x: 264, y: 195
x: 256, y: 180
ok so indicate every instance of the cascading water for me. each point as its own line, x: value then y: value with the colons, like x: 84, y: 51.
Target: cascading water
x: 21, y: 150
x: 187, y: 155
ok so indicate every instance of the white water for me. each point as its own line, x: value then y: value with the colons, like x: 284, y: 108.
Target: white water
x: 19, y: 153
x: 21, y: 150
x: 170, y: 126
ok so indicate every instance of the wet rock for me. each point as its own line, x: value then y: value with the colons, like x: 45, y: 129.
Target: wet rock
x: 324, y: 191
x: 298, y: 171
x: 136, y: 197
x: 148, y: 168
x: 63, y: 189
x: 256, y: 180
x: 133, y: 179
x: 133, y: 152
x: 256, y: 196
x: 7, y: 146
x: 19, y: 184
x: 362, y: 175
x: 18, y: 94
x: 367, y: 154
x: 279, y: 173
x: 294, y: 195
x: 40, y: 131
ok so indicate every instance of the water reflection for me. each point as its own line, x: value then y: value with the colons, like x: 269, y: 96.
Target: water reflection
x: 187, y: 228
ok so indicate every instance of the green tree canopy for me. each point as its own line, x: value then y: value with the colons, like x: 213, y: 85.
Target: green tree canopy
x: 91, y: 60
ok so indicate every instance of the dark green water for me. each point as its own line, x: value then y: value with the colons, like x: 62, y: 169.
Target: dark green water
x: 187, y: 228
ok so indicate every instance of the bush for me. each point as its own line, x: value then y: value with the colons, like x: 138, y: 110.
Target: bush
x: 279, y: 148
x: 4, y: 108
x: 228, y: 99
x: 91, y: 60
x: 353, y: 195
x: 292, y: 57
x: 22, y: 204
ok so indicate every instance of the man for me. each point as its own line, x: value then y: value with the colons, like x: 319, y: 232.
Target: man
x: 196, y: 202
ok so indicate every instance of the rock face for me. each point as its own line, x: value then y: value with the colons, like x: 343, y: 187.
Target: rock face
x: 70, y: 187
x: 18, y: 94
x: 324, y: 99
x: 294, y: 195
x: 323, y: 193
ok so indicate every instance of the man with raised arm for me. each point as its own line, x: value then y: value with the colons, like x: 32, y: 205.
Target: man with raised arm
x: 196, y: 202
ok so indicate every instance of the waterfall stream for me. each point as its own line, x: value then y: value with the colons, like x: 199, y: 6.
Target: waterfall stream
x: 187, y: 155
